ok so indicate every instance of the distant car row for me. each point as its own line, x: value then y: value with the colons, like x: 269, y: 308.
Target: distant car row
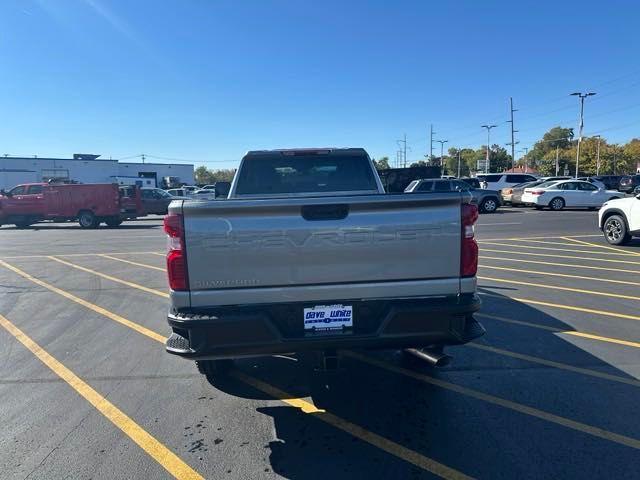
x: 622, y: 183
x: 488, y: 201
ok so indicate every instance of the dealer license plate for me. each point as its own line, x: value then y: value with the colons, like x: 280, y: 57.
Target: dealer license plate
x: 326, y: 318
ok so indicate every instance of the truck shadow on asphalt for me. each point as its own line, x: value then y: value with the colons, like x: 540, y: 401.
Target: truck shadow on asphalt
x: 462, y: 431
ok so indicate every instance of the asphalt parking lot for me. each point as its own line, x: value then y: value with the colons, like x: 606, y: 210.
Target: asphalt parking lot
x: 551, y: 391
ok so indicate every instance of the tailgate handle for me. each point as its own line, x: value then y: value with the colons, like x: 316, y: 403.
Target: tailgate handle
x: 324, y: 212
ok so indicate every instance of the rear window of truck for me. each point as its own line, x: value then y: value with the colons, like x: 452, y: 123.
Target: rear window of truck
x: 305, y: 174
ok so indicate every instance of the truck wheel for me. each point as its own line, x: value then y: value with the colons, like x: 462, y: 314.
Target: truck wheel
x: 214, y: 368
x: 615, y: 230
x: 556, y: 204
x: 489, y: 205
x: 87, y: 219
x: 113, y: 222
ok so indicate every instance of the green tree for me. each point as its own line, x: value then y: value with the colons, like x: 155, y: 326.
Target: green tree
x: 203, y: 175
x: 419, y: 163
x: 382, y: 164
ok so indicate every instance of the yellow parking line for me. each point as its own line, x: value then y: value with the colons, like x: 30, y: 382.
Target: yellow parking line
x: 517, y: 407
x: 565, y: 275
x: 557, y: 287
x: 559, y: 331
x: 602, y: 339
x: 517, y: 245
x: 389, y: 446
x: 556, y: 264
x: 546, y: 242
x: 378, y: 441
x: 604, y: 313
x: 556, y: 255
x: 558, y: 365
x: 606, y: 247
x: 537, y: 238
x: 155, y: 449
x: 131, y: 263
x: 116, y: 318
x: 16, y: 257
x: 113, y: 279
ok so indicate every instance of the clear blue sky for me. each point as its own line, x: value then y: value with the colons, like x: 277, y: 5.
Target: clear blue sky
x: 206, y: 80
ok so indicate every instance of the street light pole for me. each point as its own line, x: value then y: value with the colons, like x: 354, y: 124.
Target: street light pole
x: 458, y: 163
x: 581, y: 96
x: 442, y: 142
x: 488, y: 127
x: 557, y: 158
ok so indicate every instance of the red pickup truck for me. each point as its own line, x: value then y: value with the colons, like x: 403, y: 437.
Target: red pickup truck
x: 90, y: 204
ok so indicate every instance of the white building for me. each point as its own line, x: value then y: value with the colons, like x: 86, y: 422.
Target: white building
x: 86, y: 168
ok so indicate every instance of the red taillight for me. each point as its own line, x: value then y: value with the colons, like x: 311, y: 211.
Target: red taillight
x: 508, y: 191
x: 176, y: 254
x: 536, y: 192
x: 469, y: 247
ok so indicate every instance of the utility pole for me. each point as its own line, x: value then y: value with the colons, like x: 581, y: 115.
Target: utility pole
x: 431, y: 145
x: 459, y: 162
x: 143, y: 157
x: 581, y: 96
x: 442, y: 142
x: 513, y: 131
x: 598, y: 156
x: 615, y: 159
x: 557, y: 159
x: 403, y: 149
x: 404, y: 155
x: 488, y: 127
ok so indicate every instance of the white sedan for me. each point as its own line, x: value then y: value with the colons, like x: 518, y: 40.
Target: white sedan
x: 568, y: 193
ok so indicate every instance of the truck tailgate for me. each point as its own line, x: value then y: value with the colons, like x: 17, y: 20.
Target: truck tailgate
x: 298, y: 249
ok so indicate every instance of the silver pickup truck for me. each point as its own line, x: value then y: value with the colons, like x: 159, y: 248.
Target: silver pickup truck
x: 308, y: 253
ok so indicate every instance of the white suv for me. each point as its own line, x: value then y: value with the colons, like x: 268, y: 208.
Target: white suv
x: 497, y: 181
x: 619, y: 220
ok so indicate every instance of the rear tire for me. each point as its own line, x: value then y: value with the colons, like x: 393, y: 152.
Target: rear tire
x: 87, y: 219
x: 113, y: 222
x: 615, y: 230
x: 556, y: 204
x: 489, y: 205
x: 214, y: 368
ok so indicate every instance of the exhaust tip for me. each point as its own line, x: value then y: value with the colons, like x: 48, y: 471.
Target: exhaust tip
x: 433, y: 356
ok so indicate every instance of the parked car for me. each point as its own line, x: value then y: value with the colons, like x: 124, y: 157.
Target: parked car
x: 89, y: 203
x: 203, y: 195
x: 513, y: 195
x: 497, y: 181
x: 488, y: 201
x: 472, y: 182
x: 311, y: 254
x: 221, y: 189
x: 567, y: 193
x: 628, y: 183
x: 619, y: 220
x: 595, y: 181
x: 178, y: 192
x: 611, y: 182
x: 155, y: 200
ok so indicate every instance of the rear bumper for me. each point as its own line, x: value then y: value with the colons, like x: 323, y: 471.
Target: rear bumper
x: 266, y: 330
